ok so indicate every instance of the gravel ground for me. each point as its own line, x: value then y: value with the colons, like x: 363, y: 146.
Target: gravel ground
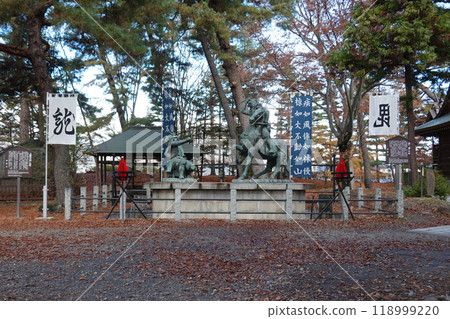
x: 94, y: 259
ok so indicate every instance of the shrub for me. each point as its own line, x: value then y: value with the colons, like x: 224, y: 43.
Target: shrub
x: 413, y: 191
x: 441, y: 187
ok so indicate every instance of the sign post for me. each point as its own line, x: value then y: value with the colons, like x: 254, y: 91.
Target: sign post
x: 398, y: 152
x: 18, y: 163
x: 18, y: 198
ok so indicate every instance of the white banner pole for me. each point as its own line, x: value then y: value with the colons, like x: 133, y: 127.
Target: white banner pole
x: 45, y: 189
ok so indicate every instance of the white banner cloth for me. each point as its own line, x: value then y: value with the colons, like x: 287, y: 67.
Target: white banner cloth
x: 383, y: 115
x: 62, y: 120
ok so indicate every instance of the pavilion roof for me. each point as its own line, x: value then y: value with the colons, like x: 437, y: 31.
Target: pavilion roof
x: 438, y: 123
x: 433, y: 126
x: 137, y: 140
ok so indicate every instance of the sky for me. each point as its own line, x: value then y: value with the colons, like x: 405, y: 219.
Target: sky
x: 99, y: 97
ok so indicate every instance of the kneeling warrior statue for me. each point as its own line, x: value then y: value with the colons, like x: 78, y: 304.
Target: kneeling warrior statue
x: 178, y: 166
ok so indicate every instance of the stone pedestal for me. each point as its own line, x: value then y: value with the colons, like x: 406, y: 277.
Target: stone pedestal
x: 232, y: 201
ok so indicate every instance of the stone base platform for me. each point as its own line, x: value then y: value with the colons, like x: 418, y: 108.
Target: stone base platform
x: 232, y: 201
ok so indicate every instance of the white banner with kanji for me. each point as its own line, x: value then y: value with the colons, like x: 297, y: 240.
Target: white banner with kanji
x: 383, y: 115
x: 62, y: 120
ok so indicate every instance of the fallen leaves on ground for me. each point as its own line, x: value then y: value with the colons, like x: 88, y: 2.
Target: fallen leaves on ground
x: 374, y: 257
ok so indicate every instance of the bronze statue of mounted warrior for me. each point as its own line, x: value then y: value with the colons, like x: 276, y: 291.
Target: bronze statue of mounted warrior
x: 255, y: 142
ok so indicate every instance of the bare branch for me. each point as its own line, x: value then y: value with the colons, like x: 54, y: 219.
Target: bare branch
x: 428, y: 92
x: 13, y: 50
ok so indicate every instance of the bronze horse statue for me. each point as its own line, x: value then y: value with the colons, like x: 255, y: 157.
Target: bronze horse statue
x: 256, y: 142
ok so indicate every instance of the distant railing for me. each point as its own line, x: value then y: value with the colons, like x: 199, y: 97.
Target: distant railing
x: 372, y: 202
x: 28, y: 192
x: 101, y: 199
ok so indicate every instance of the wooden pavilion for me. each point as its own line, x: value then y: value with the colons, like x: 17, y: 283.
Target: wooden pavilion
x: 438, y: 125
x: 139, y: 145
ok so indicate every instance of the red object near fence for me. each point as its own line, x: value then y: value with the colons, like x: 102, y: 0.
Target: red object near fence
x: 341, y: 168
x: 123, y: 168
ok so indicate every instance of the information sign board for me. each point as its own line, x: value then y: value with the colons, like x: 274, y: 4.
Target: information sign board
x: 18, y: 162
x: 398, y: 150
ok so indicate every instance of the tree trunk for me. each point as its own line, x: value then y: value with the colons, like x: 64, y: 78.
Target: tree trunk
x: 232, y: 73
x: 344, y: 145
x: 24, y: 126
x: 218, y: 84
x: 342, y: 130
x: 409, y: 78
x: 91, y: 142
x: 113, y: 89
x: 41, y: 121
x: 211, y: 125
x: 364, y: 151
x: 37, y: 54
